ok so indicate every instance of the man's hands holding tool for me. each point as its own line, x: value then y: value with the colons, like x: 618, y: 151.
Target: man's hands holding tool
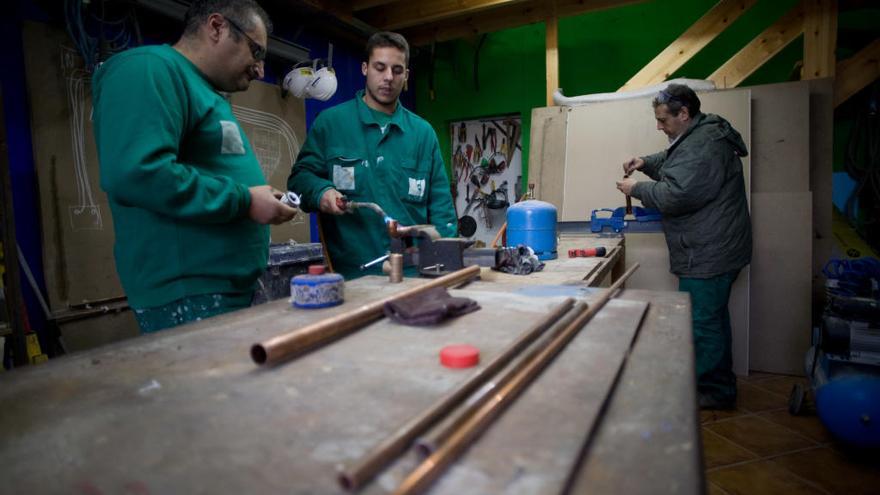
x: 332, y: 202
x: 626, y: 184
x: 266, y: 206
x: 631, y: 165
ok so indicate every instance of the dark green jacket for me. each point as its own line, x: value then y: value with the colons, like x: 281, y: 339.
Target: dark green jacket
x: 176, y: 167
x: 701, y: 193
x: 398, y: 167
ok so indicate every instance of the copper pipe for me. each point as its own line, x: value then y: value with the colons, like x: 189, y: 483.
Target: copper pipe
x: 300, y: 341
x: 431, y: 467
x: 500, y: 233
x: 370, y: 464
x: 351, y: 205
x: 427, y: 444
x: 629, y: 202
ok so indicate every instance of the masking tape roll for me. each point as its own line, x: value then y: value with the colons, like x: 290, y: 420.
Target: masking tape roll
x: 316, y: 289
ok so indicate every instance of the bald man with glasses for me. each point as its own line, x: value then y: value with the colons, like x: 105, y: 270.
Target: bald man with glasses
x: 190, y: 204
x: 699, y: 187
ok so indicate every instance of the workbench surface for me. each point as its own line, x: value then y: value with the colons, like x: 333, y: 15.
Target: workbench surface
x: 187, y: 411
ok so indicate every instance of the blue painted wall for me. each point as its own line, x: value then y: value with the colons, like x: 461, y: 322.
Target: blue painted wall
x: 25, y: 201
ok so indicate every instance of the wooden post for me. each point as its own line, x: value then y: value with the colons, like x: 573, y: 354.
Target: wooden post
x: 820, y: 38
x: 552, y: 54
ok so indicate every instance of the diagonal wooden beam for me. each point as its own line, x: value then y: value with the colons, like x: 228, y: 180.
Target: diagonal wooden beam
x: 761, y: 49
x: 856, y: 72
x: 406, y: 14
x: 820, y: 38
x: 706, y: 29
x: 507, y: 16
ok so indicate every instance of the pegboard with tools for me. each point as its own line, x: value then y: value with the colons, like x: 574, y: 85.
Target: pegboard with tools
x: 486, y: 168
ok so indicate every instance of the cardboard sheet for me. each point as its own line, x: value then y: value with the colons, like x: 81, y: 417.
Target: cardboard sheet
x: 601, y: 136
x: 76, y: 222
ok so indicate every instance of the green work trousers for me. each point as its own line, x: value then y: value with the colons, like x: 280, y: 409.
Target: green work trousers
x: 189, y: 309
x: 712, y: 340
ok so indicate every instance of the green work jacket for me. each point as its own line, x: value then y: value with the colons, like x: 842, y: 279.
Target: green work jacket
x: 399, y: 167
x: 176, y: 168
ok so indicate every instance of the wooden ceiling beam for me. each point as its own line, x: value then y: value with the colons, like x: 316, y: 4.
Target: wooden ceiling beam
x: 820, y: 38
x: 359, y: 5
x: 508, y: 16
x: 338, y: 10
x: 856, y: 72
x: 761, y: 49
x: 706, y: 29
x: 414, y: 13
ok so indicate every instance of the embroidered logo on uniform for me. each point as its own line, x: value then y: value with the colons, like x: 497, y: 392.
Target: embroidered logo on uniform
x: 416, y: 187
x: 232, y: 144
x: 343, y: 177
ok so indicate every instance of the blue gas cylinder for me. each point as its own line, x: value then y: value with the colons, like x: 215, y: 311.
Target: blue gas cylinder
x: 533, y: 223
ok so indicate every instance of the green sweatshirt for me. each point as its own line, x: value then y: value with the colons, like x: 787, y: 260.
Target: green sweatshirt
x: 398, y: 166
x: 176, y: 168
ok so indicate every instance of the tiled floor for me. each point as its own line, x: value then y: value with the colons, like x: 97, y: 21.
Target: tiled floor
x: 761, y: 449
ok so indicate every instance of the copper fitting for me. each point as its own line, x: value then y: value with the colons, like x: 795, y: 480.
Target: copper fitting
x: 396, y: 275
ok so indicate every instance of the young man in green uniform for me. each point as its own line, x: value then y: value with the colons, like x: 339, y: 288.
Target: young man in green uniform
x: 700, y: 190
x: 373, y: 149
x: 190, y: 203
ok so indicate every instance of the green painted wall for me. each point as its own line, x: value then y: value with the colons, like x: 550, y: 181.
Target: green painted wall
x: 598, y: 52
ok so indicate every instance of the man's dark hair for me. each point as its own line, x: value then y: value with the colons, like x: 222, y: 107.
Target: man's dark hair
x: 241, y: 12
x: 387, y: 38
x: 676, y: 96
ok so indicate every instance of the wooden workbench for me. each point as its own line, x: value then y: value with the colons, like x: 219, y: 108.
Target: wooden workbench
x: 187, y: 411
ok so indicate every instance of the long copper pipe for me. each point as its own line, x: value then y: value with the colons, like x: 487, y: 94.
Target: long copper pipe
x: 300, y: 341
x: 431, y: 467
x: 354, y: 477
x: 427, y: 444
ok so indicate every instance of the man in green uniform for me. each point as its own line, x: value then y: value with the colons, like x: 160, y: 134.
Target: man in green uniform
x: 373, y: 149
x: 190, y: 203
x: 700, y: 190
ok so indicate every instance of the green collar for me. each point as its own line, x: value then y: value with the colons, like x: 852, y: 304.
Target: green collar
x: 367, y: 117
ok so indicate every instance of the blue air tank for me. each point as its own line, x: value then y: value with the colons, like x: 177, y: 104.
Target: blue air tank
x: 533, y: 223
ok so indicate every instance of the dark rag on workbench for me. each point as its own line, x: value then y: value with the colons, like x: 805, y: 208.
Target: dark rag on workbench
x: 429, y: 307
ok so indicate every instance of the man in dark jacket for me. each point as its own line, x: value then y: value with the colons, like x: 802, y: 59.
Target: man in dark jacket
x: 700, y: 190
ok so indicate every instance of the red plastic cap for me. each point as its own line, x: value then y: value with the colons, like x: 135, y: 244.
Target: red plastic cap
x: 316, y: 269
x: 459, y: 356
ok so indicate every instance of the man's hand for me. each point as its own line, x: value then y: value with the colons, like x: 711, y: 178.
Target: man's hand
x: 626, y: 186
x: 266, y: 206
x: 631, y: 165
x: 330, y: 202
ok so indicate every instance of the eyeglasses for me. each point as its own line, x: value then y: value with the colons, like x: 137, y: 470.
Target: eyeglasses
x: 257, y: 50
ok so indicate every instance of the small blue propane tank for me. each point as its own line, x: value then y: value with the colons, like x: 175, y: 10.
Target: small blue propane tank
x: 533, y: 223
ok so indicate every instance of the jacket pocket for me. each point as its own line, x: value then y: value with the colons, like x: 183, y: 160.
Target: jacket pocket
x: 687, y: 249
x: 413, y: 183
x: 349, y: 173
